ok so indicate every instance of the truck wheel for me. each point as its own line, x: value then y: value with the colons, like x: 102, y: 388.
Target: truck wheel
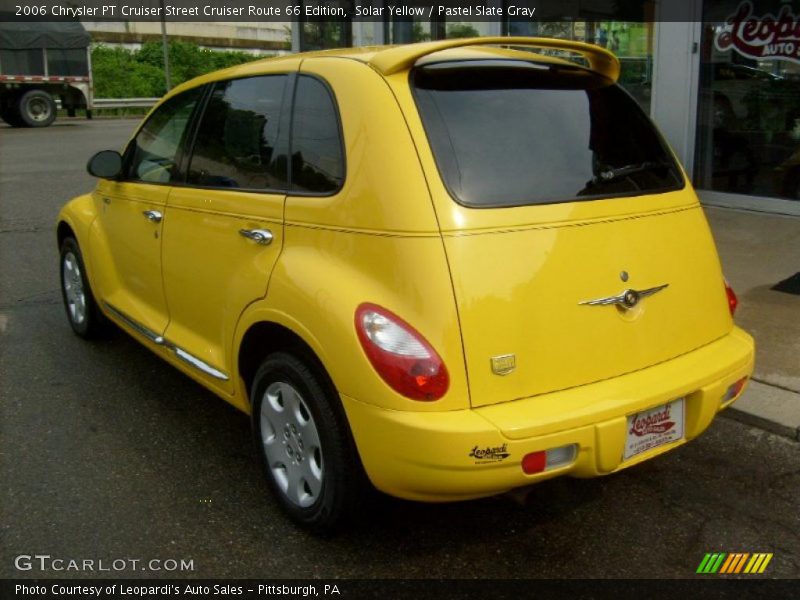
x: 37, y: 108
x: 10, y: 115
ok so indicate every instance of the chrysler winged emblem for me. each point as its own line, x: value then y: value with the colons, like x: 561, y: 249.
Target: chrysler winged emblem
x: 627, y: 299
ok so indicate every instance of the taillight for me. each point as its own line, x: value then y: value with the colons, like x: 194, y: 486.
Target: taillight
x: 552, y: 458
x: 401, y: 356
x: 733, y: 301
x: 733, y: 390
x: 535, y: 462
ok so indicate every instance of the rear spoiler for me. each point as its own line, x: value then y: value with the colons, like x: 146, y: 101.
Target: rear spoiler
x: 399, y: 58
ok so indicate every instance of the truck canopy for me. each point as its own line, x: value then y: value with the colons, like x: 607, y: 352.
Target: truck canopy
x: 30, y: 35
x: 43, y: 49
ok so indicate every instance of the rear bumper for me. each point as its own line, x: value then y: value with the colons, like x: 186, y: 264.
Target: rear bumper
x: 427, y: 455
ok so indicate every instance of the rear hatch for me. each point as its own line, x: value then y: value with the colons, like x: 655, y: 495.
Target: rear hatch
x: 562, y: 197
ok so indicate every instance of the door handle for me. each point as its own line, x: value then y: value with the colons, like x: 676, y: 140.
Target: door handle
x: 153, y: 216
x: 259, y: 236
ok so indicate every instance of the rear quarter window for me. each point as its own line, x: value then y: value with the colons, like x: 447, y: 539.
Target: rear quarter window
x: 318, y: 165
x: 511, y: 133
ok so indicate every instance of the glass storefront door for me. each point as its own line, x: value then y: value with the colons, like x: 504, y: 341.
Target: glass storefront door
x: 748, y: 117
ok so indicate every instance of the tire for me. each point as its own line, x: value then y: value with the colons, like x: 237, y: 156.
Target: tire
x: 36, y: 108
x: 304, y: 444
x: 83, y: 314
x: 10, y: 115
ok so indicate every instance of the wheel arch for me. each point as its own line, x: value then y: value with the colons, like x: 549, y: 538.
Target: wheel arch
x: 75, y: 218
x: 263, y: 337
x: 63, y: 231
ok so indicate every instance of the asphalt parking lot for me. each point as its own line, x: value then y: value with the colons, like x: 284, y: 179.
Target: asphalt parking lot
x: 108, y: 453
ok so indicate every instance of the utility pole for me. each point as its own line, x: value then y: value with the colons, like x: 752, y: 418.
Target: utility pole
x: 165, y: 46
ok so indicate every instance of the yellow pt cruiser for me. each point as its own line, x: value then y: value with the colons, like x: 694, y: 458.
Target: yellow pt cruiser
x: 447, y: 269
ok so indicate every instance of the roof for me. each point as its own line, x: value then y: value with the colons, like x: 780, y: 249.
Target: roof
x: 22, y: 35
x: 389, y: 60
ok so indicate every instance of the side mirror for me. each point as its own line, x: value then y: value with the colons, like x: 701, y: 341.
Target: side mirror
x: 106, y: 164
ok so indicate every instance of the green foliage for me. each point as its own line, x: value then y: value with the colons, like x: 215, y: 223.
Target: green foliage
x: 418, y: 33
x: 123, y: 73
x: 461, y: 30
x: 556, y: 29
x: 319, y: 35
x: 117, y: 74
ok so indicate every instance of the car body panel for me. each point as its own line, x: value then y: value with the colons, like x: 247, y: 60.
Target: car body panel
x: 429, y: 457
x: 384, y: 191
x: 520, y: 273
x: 130, y: 280
x: 521, y: 293
x: 79, y: 215
x: 211, y: 272
x: 322, y: 277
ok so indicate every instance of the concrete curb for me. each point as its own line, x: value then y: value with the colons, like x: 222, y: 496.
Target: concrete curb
x: 761, y: 423
x: 768, y: 407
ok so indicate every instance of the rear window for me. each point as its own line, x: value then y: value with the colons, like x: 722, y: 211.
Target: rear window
x: 511, y: 133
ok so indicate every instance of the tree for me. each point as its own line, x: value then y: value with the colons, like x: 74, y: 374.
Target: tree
x: 461, y: 30
x: 117, y: 74
x: 122, y: 73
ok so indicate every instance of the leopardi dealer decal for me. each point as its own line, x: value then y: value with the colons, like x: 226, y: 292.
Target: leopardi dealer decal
x: 489, y: 454
x: 763, y: 37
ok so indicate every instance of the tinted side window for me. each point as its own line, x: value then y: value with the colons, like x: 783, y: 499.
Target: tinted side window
x: 236, y: 140
x: 151, y: 157
x: 317, y: 159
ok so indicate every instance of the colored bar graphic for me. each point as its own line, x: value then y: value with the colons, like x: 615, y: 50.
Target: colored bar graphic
x: 740, y: 564
x: 767, y: 558
x: 758, y: 563
x: 734, y: 563
x: 727, y: 564
x: 754, y: 563
x: 703, y: 564
x: 711, y: 563
x: 715, y: 567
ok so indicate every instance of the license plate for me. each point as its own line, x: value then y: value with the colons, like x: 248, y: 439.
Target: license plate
x: 655, y: 427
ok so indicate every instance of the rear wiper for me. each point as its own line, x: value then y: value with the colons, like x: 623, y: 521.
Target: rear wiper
x: 610, y: 174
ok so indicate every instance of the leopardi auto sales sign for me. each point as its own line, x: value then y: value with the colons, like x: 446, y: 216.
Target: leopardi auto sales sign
x: 764, y: 37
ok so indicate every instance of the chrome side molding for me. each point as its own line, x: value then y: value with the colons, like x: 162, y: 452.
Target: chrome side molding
x: 198, y: 364
x: 151, y: 335
x: 135, y: 325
